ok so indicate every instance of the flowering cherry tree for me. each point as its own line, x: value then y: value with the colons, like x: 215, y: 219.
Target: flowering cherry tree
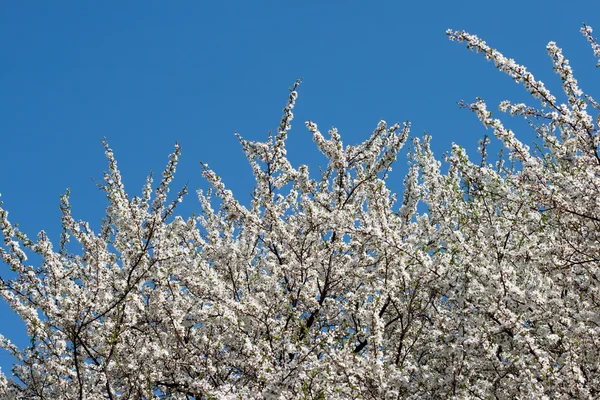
x: 329, y: 288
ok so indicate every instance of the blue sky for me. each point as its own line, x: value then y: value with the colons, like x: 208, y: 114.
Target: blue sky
x: 145, y: 74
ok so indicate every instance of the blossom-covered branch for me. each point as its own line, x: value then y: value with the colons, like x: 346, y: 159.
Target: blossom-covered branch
x: 479, y: 282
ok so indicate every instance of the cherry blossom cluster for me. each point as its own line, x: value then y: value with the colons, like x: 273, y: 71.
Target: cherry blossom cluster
x: 479, y: 282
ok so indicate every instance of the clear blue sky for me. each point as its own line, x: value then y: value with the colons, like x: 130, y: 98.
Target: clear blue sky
x: 145, y: 74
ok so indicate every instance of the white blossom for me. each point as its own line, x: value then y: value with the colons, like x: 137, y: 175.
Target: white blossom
x: 328, y: 287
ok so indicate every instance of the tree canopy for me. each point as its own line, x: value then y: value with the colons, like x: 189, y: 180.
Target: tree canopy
x: 330, y: 287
